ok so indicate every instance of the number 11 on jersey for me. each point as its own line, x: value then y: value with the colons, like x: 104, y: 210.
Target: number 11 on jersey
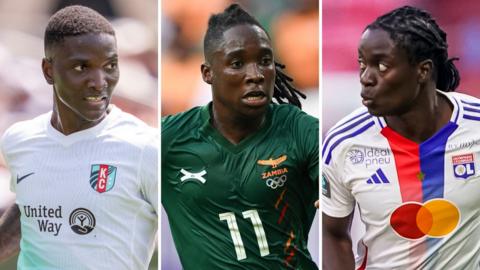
x: 237, y: 238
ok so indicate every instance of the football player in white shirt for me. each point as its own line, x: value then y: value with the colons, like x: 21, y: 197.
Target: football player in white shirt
x: 409, y: 159
x: 84, y: 174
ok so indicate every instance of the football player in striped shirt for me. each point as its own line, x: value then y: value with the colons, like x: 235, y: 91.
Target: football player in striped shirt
x: 409, y: 158
x: 85, y: 174
x: 240, y: 175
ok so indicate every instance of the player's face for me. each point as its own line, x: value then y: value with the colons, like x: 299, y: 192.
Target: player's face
x: 83, y: 70
x: 389, y: 81
x: 243, y: 71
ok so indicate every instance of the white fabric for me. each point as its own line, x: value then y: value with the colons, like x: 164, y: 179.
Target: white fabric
x: 125, y: 216
x: 356, y: 159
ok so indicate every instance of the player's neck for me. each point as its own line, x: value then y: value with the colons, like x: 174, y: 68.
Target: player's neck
x: 67, y: 122
x: 426, y: 117
x: 234, y: 127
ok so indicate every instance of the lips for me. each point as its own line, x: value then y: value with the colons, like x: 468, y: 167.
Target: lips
x: 255, y: 98
x: 96, y: 102
x: 367, y: 100
x: 95, y: 98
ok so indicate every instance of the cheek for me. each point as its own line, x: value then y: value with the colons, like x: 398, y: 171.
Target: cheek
x: 269, y: 75
x: 231, y: 78
x: 112, y: 81
x: 399, y: 87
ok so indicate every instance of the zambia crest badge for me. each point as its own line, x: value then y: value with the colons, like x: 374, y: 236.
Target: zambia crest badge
x: 102, y: 177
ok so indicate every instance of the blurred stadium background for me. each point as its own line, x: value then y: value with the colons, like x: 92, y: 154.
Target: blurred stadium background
x: 293, y: 27
x: 23, y: 90
x: 343, y: 23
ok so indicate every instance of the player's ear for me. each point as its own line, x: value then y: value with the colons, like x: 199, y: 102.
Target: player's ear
x: 206, y: 73
x: 425, y: 69
x: 47, y: 70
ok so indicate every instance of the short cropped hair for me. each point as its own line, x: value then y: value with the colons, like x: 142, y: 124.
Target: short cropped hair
x: 73, y: 21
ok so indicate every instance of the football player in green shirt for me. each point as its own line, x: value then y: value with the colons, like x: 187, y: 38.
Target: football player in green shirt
x: 240, y: 175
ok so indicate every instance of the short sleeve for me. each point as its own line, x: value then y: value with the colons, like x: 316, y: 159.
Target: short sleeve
x: 337, y: 199
x: 308, y: 133
x: 149, y: 171
x: 4, y: 143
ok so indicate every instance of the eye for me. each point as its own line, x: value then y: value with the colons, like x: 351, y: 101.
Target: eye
x: 266, y: 61
x: 361, y: 65
x: 80, y: 68
x: 382, y: 67
x: 112, y: 66
x: 236, y: 64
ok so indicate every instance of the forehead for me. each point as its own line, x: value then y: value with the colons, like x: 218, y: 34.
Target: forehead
x: 377, y: 42
x: 85, y: 46
x: 244, y: 37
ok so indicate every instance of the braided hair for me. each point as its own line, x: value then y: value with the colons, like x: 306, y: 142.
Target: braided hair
x: 418, y: 33
x: 284, y: 91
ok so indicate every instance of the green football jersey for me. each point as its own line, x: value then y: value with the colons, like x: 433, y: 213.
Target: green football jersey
x: 243, y: 206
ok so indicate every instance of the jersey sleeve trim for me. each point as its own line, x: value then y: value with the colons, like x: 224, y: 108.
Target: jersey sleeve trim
x: 359, y: 126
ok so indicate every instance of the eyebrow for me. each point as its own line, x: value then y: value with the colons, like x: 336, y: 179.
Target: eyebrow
x: 377, y: 55
x: 236, y: 51
x: 86, y: 59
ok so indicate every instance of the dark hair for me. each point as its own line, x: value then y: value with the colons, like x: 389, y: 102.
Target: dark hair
x: 234, y: 15
x: 418, y: 33
x: 73, y: 21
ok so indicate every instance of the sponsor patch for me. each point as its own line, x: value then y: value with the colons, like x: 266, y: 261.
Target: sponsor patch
x: 463, y: 165
x: 82, y: 221
x: 325, y: 186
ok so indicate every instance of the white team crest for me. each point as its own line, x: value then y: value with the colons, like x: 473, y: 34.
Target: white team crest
x: 189, y: 175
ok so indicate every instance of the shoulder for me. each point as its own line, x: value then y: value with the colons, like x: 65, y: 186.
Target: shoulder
x: 183, y: 122
x: 24, y: 131
x: 463, y: 98
x: 469, y: 108
x: 356, y: 126
x: 127, y: 127
x: 288, y: 114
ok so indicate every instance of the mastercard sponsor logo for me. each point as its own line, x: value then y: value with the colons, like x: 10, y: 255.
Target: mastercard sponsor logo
x: 434, y: 218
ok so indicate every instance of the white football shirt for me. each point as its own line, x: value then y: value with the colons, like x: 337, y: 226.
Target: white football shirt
x: 87, y: 200
x: 419, y: 202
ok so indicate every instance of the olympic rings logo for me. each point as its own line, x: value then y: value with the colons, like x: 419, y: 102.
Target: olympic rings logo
x: 434, y: 218
x: 276, y: 182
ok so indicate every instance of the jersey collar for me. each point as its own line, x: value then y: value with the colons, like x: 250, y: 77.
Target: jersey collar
x: 67, y: 140
x: 208, y: 129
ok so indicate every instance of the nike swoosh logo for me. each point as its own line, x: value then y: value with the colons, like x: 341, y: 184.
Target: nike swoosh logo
x: 23, y: 177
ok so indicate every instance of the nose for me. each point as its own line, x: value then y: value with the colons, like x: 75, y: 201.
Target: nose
x: 254, y: 74
x: 97, y: 80
x: 368, y: 77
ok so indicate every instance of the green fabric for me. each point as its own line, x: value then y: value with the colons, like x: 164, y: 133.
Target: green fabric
x: 284, y: 150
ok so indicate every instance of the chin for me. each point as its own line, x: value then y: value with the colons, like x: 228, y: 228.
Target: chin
x: 255, y: 112
x: 375, y: 112
x: 93, y: 117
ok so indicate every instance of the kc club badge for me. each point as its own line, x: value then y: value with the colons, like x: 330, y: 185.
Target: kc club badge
x: 102, y: 177
x: 463, y: 166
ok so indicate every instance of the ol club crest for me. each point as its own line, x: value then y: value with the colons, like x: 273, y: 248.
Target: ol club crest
x: 463, y: 166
